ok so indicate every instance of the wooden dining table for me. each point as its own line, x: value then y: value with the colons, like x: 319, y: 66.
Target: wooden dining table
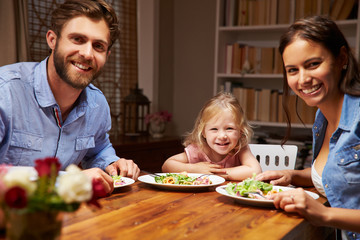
x: 142, y: 211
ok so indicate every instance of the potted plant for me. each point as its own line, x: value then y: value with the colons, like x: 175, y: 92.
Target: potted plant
x: 33, y: 207
x: 157, y: 122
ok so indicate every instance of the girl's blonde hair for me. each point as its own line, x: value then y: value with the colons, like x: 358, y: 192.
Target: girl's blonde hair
x: 215, y: 106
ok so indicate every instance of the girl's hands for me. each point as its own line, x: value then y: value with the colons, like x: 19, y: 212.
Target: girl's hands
x: 280, y: 177
x: 299, y: 201
x: 210, y: 168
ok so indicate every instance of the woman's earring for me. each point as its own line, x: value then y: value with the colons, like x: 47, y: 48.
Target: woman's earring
x: 345, y: 67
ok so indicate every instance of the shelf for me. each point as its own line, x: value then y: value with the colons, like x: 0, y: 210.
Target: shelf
x: 250, y: 76
x: 276, y: 131
x: 261, y: 38
x: 343, y: 24
x: 280, y: 125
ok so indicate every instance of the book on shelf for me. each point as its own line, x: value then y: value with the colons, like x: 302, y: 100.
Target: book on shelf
x: 242, y: 58
x: 238, y: 58
x: 292, y: 110
x: 230, y: 12
x: 325, y: 7
x: 267, y: 60
x: 346, y: 9
x: 250, y: 104
x: 228, y: 58
x: 278, y: 63
x: 270, y: 12
x: 265, y: 105
x: 336, y: 8
x: 274, y: 103
x: 243, y: 13
x: 283, y: 16
x: 280, y: 110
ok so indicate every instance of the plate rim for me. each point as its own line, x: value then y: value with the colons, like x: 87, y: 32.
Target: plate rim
x: 128, y: 181
x: 221, y: 180
x: 259, y: 202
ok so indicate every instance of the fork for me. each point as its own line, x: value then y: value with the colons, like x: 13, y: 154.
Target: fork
x: 203, y: 175
x: 152, y: 174
x: 257, y: 193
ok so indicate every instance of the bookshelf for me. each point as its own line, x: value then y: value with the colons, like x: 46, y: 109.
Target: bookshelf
x: 242, y: 25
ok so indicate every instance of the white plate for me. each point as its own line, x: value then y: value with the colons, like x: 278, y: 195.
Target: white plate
x: 128, y: 181
x: 258, y: 202
x: 216, y: 180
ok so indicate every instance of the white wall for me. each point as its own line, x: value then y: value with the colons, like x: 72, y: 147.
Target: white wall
x: 176, y: 57
x: 147, y: 48
x: 194, y: 41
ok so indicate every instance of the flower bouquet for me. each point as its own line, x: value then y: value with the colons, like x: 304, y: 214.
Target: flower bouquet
x: 33, y: 208
x: 158, y: 117
x: 157, y: 122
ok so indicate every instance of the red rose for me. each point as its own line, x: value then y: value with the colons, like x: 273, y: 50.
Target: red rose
x: 44, y: 166
x: 98, y: 192
x: 15, y: 197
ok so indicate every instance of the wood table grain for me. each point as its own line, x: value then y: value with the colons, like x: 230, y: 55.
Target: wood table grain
x: 140, y: 211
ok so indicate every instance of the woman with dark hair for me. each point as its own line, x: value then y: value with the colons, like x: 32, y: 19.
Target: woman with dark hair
x: 320, y: 68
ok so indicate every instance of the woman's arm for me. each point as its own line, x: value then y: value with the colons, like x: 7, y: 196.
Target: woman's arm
x: 286, y: 177
x: 348, y: 219
x: 299, y: 201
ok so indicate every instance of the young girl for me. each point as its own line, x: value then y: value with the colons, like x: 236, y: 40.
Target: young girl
x: 218, y: 144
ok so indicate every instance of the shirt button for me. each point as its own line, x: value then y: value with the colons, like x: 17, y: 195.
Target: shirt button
x: 315, y: 127
x: 326, y: 186
x: 317, y: 134
x: 356, y: 156
x: 342, y: 160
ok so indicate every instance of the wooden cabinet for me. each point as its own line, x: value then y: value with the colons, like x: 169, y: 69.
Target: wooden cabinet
x: 147, y: 152
x: 262, y: 35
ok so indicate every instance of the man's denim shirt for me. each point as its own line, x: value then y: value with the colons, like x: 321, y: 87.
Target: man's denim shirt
x: 29, y: 129
x: 341, y: 175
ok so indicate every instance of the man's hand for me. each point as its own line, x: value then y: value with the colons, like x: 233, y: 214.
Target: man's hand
x: 101, y: 176
x: 124, y: 168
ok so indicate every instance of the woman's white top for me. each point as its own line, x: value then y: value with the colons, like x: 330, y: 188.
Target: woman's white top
x: 317, y: 181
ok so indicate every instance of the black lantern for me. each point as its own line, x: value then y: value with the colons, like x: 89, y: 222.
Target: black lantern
x: 135, y: 107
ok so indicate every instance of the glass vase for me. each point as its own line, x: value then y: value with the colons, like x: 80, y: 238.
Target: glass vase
x: 33, y: 225
x: 157, y: 129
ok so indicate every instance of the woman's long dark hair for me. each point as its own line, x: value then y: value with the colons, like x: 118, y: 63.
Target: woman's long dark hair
x: 324, y: 31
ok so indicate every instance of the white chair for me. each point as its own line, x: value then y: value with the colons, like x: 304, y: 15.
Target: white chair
x: 275, y: 157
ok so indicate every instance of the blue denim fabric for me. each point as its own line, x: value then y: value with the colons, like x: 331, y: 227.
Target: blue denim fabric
x: 29, y: 129
x: 341, y: 175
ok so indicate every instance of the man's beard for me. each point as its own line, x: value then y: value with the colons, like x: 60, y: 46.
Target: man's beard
x: 75, y: 80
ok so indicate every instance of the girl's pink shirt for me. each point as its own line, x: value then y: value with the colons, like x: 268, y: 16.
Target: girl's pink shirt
x: 195, y: 155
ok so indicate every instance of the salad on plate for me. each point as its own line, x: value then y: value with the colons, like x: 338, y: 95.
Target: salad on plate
x: 251, y: 188
x: 118, y: 181
x: 182, y: 179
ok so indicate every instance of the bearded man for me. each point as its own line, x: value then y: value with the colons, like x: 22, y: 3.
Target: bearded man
x: 52, y: 109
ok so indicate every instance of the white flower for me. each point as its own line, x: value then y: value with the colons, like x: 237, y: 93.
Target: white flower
x: 20, y: 178
x: 74, y: 185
